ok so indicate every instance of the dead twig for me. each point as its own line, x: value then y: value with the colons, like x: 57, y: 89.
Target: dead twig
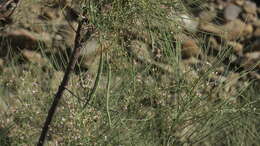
x: 73, y: 59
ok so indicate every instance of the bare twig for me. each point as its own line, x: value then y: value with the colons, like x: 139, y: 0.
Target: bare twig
x: 73, y: 94
x: 64, y: 83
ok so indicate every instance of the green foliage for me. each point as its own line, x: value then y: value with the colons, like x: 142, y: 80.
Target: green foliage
x: 136, y: 102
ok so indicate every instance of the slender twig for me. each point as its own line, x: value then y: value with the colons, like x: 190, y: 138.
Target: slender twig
x: 107, y: 92
x: 73, y: 94
x: 64, y: 83
x: 93, y: 90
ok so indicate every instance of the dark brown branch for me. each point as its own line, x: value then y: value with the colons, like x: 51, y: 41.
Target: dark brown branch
x: 64, y: 83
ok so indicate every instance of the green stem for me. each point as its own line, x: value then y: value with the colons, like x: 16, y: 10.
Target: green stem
x: 94, y: 89
x: 107, y: 92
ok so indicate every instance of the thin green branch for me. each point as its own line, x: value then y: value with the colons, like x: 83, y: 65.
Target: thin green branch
x: 94, y: 89
x: 107, y: 92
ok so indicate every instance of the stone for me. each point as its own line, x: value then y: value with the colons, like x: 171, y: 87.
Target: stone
x: 231, y: 12
x: 250, y: 7
x: 211, y: 28
x: 189, y: 23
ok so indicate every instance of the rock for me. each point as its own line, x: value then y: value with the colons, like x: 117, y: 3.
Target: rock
x: 33, y: 57
x: 189, y: 23
x: 250, y: 7
x: 211, y: 28
x: 231, y: 12
x: 185, y: 20
x: 237, y: 47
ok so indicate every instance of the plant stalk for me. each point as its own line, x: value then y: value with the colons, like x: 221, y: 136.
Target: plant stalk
x: 73, y: 59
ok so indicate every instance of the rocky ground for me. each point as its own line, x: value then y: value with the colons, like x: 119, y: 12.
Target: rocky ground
x: 233, y: 23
